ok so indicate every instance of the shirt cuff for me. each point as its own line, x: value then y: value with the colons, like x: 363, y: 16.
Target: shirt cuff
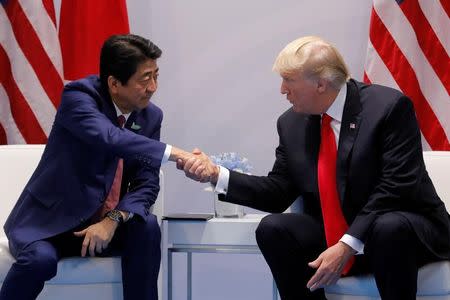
x: 222, y: 181
x: 353, y: 242
x: 130, y: 215
x: 166, y: 154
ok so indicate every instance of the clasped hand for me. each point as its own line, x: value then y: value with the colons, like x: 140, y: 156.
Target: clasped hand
x: 198, y: 166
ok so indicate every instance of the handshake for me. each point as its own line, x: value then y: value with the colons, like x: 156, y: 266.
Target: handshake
x: 196, y: 165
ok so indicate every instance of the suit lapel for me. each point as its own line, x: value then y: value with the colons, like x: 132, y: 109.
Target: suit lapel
x: 349, y: 129
x: 131, y: 120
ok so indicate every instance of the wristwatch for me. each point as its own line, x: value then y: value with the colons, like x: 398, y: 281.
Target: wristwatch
x: 115, y: 215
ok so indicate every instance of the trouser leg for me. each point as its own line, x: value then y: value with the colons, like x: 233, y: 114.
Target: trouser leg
x: 140, y: 244
x: 395, y: 254
x: 34, y: 265
x: 288, y: 242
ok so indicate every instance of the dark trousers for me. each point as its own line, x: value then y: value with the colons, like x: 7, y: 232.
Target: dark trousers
x: 392, y: 252
x: 136, y: 241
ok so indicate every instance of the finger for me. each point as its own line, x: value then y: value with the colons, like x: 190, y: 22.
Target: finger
x: 92, y: 245
x: 324, y: 280
x: 314, y: 287
x: 333, y: 279
x: 199, y: 172
x: 188, y: 164
x: 205, y: 176
x: 84, y: 246
x: 315, y: 278
x: 197, y: 164
x: 179, y: 164
x: 80, y: 233
x: 98, y: 247
x: 316, y: 263
x: 314, y: 283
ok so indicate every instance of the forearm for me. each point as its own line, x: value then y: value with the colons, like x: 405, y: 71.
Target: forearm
x: 272, y: 193
x: 178, y: 153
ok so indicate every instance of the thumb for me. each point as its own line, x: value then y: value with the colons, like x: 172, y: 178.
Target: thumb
x: 316, y: 263
x: 80, y: 233
x: 196, y: 151
x: 180, y: 164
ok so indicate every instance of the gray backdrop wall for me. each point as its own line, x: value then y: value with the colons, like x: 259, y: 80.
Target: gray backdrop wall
x: 217, y: 89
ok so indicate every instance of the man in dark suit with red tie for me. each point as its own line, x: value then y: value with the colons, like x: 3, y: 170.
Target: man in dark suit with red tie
x: 97, y: 178
x: 353, y: 153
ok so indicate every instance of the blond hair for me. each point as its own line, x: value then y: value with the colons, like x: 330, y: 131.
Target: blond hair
x: 315, y: 58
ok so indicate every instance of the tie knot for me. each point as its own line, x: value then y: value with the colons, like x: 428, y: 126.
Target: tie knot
x: 326, y: 120
x: 121, y: 120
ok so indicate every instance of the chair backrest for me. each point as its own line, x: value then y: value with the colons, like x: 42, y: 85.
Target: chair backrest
x: 438, y: 167
x: 18, y: 163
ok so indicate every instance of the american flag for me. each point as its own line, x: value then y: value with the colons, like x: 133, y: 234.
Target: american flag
x: 408, y: 49
x: 31, y: 77
x: 32, y: 62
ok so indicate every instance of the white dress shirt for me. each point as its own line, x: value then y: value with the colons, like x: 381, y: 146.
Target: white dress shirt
x: 335, y: 111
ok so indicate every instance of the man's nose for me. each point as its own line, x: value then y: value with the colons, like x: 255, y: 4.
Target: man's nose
x: 283, y: 88
x: 152, y: 86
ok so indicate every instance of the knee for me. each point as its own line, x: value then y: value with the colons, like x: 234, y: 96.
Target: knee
x: 147, y: 230
x: 42, y: 265
x: 390, y: 229
x: 268, y: 230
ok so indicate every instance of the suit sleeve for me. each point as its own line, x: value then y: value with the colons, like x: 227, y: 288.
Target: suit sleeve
x: 143, y: 185
x: 79, y: 114
x: 401, y: 167
x: 272, y: 193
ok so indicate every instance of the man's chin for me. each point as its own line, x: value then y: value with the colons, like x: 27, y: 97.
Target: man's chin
x: 144, y: 105
x: 297, y: 109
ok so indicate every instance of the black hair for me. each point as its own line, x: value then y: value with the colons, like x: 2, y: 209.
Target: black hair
x: 121, y: 55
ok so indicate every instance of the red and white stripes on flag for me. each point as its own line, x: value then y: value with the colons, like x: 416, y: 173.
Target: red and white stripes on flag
x: 32, y: 57
x: 31, y: 77
x: 408, y: 49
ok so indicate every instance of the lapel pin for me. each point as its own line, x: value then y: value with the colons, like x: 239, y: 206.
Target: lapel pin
x: 352, y: 125
x: 135, y: 126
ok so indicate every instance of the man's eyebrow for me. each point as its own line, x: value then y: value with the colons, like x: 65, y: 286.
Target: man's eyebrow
x: 151, y: 72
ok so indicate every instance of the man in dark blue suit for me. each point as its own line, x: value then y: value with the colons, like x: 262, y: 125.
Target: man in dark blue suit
x: 353, y: 153
x: 60, y: 214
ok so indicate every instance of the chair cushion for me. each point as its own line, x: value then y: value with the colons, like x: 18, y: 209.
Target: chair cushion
x: 73, y: 270
x: 433, y: 280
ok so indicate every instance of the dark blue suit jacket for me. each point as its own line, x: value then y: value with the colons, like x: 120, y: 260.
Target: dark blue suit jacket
x: 78, y: 165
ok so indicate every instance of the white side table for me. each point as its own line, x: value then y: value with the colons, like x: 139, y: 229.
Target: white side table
x: 218, y: 235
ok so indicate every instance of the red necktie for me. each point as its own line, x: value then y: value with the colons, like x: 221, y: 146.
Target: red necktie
x: 333, y: 218
x: 114, y: 193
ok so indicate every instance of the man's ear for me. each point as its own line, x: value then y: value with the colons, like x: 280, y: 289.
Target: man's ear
x: 322, y: 85
x: 113, y: 84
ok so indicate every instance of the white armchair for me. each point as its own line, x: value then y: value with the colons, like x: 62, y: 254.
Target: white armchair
x: 434, y: 279
x: 77, y: 278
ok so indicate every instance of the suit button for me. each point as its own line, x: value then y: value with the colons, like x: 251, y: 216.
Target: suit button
x: 82, y: 220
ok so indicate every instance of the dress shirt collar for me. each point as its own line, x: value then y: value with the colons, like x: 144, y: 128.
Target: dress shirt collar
x: 336, y: 109
x: 118, y: 112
